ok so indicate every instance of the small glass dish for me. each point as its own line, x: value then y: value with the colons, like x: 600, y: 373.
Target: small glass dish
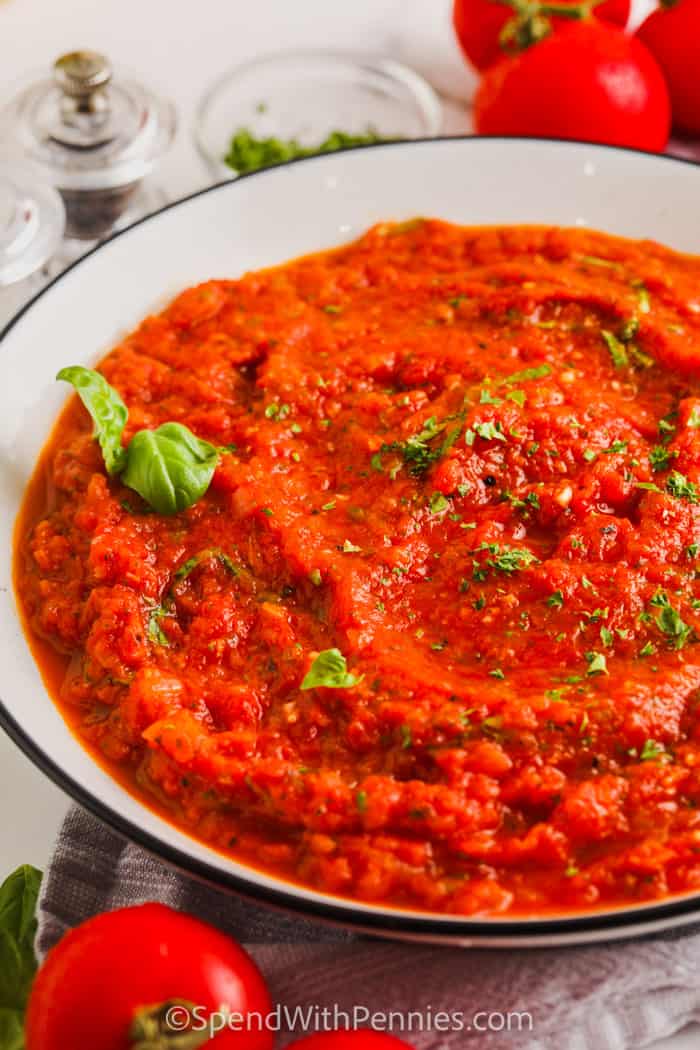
x: 307, y: 95
x: 32, y: 221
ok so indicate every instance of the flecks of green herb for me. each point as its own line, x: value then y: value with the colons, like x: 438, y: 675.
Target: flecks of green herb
x: 489, y: 431
x: 594, y: 260
x: 648, y: 486
x: 418, y: 451
x: 669, y: 621
x: 660, y: 457
x: 154, y: 630
x: 507, y: 559
x: 617, y: 350
x: 329, y: 670
x: 652, y: 751
x: 643, y: 297
x: 536, y: 372
x: 438, y: 503
x: 597, y: 663
x: 629, y: 329
x: 606, y: 637
x: 678, y: 485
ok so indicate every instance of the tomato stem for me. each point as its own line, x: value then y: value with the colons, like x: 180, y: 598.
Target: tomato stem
x: 157, y: 1027
x: 531, y: 20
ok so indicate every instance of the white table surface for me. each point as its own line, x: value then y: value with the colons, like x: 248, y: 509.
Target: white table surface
x: 179, y: 47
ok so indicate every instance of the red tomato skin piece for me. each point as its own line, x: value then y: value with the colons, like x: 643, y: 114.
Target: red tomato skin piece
x: 358, y: 1039
x: 478, y: 25
x: 101, y: 972
x: 672, y: 34
x: 587, y: 82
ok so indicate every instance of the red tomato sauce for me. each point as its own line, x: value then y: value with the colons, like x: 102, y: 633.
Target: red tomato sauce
x: 467, y: 459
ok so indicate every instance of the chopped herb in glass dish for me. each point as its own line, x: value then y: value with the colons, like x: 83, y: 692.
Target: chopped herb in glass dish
x: 248, y: 153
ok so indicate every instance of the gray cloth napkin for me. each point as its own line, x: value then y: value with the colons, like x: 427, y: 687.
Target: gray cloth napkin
x: 604, y: 997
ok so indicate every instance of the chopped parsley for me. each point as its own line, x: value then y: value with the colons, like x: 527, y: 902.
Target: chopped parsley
x: 210, y: 554
x: 660, y: 457
x: 506, y: 559
x: 329, y: 670
x: 537, y: 372
x: 155, y: 632
x: 275, y: 411
x: 489, y: 431
x: 597, y: 663
x: 618, y: 351
x: 438, y: 503
x: 555, y: 600
x: 678, y: 485
x: 606, y: 637
x: 648, y: 486
x: 247, y: 153
x: 651, y: 751
x: 669, y: 621
x: 418, y: 451
x: 617, y: 446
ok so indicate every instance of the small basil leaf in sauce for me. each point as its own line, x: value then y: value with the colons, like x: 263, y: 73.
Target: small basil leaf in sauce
x: 108, y: 411
x: 329, y: 669
x: 169, y: 467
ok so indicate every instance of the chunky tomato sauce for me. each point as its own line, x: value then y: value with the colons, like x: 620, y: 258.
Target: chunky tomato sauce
x: 465, y: 458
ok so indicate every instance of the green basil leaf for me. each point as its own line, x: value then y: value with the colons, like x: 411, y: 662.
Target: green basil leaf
x: 18, y: 897
x: 169, y: 467
x: 108, y: 411
x: 11, y: 1029
x: 330, y: 669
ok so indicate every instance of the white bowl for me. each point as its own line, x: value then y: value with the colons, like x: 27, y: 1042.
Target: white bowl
x: 257, y: 221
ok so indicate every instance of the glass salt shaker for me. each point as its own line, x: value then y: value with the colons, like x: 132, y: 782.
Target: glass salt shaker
x: 95, y: 138
x: 32, y: 221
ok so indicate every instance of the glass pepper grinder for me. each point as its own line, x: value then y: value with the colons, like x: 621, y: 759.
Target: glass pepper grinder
x: 96, y: 138
x: 32, y: 220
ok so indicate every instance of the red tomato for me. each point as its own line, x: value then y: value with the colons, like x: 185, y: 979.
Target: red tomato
x: 99, y: 976
x: 587, y: 81
x: 480, y: 23
x: 359, y: 1039
x: 672, y: 34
